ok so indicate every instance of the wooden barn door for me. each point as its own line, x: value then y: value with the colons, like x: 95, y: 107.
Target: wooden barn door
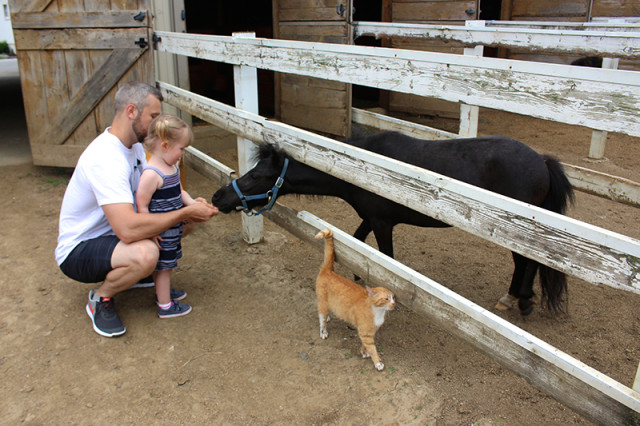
x: 72, y: 54
x: 319, y: 105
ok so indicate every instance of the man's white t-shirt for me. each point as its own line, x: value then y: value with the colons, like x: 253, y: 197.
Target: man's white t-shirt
x: 107, y: 173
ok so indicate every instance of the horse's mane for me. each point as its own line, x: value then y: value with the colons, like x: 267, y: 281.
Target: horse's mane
x: 269, y: 151
x: 277, y: 155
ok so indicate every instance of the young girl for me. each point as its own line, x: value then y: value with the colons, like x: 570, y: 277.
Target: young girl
x: 160, y: 191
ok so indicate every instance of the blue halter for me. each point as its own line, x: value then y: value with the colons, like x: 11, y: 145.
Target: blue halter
x: 270, y: 195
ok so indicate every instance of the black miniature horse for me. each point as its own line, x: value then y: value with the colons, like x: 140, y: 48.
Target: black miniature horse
x: 499, y: 164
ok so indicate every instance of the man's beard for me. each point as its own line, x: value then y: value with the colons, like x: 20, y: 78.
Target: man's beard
x: 138, y: 130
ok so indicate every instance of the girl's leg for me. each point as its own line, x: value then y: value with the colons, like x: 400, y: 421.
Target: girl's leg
x: 163, y: 286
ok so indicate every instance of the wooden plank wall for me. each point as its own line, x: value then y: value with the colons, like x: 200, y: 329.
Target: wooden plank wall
x: 452, y: 12
x: 310, y: 103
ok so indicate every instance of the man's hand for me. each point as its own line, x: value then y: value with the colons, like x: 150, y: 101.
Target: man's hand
x: 201, y: 212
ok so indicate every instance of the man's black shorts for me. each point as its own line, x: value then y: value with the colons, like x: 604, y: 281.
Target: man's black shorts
x: 90, y: 261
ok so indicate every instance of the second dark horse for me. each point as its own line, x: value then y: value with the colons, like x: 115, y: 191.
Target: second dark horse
x: 495, y: 163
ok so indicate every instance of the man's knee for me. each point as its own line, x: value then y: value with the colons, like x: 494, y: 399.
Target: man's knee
x: 146, y: 255
x: 142, y: 254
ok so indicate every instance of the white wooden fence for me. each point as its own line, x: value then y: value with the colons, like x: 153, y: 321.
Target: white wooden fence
x: 576, y: 248
x: 600, y: 99
x: 607, y: 100
x: 618, y: 39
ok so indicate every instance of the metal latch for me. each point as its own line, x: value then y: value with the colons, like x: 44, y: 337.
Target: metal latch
x: 142, y: 42
x: 140, y: 16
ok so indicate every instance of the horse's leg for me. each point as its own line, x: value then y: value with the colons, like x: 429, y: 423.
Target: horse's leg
x: 521, y: 289
x: 526, y: 272
x: 363, y: 230
x: 383, y: 232
x: 509, y: 300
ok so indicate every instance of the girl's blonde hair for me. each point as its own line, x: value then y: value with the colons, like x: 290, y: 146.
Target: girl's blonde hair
x: 166, y: 127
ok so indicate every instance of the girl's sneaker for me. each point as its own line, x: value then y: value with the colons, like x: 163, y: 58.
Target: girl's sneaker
x: 177, y: 309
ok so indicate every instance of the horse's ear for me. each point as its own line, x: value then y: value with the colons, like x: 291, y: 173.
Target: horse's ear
x: 264, y: 151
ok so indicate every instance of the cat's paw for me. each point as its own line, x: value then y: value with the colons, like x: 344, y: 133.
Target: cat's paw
x: 379, y: 366
x: 365, y: 354
x: 324, y: 334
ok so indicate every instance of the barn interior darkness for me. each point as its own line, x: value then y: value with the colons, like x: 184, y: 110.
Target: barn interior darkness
x: 215, y: 80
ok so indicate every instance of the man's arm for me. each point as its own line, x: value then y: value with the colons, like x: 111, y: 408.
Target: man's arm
x: 130, y: 226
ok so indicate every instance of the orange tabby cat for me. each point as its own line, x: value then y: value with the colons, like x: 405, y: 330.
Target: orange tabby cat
x: 363, y: 307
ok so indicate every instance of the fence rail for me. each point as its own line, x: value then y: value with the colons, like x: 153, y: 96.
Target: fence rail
x: 595, y: 40
x: 600, y: 99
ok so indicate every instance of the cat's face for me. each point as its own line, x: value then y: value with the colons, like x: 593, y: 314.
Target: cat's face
x: 382, y: 298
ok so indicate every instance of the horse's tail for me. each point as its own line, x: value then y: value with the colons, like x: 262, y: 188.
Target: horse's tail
x: 560, y: 195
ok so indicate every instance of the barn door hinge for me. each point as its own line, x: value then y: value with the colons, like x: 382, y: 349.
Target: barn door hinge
x: 140, y: 16
x: 341, y: 8
x: 141, y: 42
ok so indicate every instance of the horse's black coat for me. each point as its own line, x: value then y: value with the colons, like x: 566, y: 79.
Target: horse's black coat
x: 498, y: 164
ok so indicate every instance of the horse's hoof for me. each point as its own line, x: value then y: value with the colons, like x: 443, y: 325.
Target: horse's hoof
x: 506, y: 302
x: 526, y: 307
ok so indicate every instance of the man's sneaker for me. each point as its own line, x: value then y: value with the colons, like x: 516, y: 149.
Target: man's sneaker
x: 144, y: 283
x: 104, y: 317
x: 177, y: 309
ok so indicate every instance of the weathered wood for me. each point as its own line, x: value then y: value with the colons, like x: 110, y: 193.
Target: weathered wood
x: 61, y: 46
x: 561, y: 41
x: 596, y: 98
x: 588, y: 252
x: 387, y: 123
x: 326, y: 32
x: 51, y: 20
x: 29, y: 5
x: 79, y: 38
x: 601, y: 184
x: 438, y: 10
x: 313, y: 21
x: 308, y: 10
x: 208, y: 167
x: 610, y: 8
x: 597, y: 25
x: 68, y: 119
x: 245, y: 85
x: 56, y: 155
x: 583, y: 389
x: 549, y: 8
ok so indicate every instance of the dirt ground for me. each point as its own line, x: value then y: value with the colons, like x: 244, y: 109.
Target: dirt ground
x: 250, y: 352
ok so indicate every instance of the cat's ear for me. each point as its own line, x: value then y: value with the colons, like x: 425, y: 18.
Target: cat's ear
x: 371, y: 292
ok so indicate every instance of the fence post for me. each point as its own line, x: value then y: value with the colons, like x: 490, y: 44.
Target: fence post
x: 469, y: 113
x: 245, y: 83
x: 599, y: 137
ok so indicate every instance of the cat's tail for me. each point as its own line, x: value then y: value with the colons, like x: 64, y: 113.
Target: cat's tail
x: 329, y: 251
